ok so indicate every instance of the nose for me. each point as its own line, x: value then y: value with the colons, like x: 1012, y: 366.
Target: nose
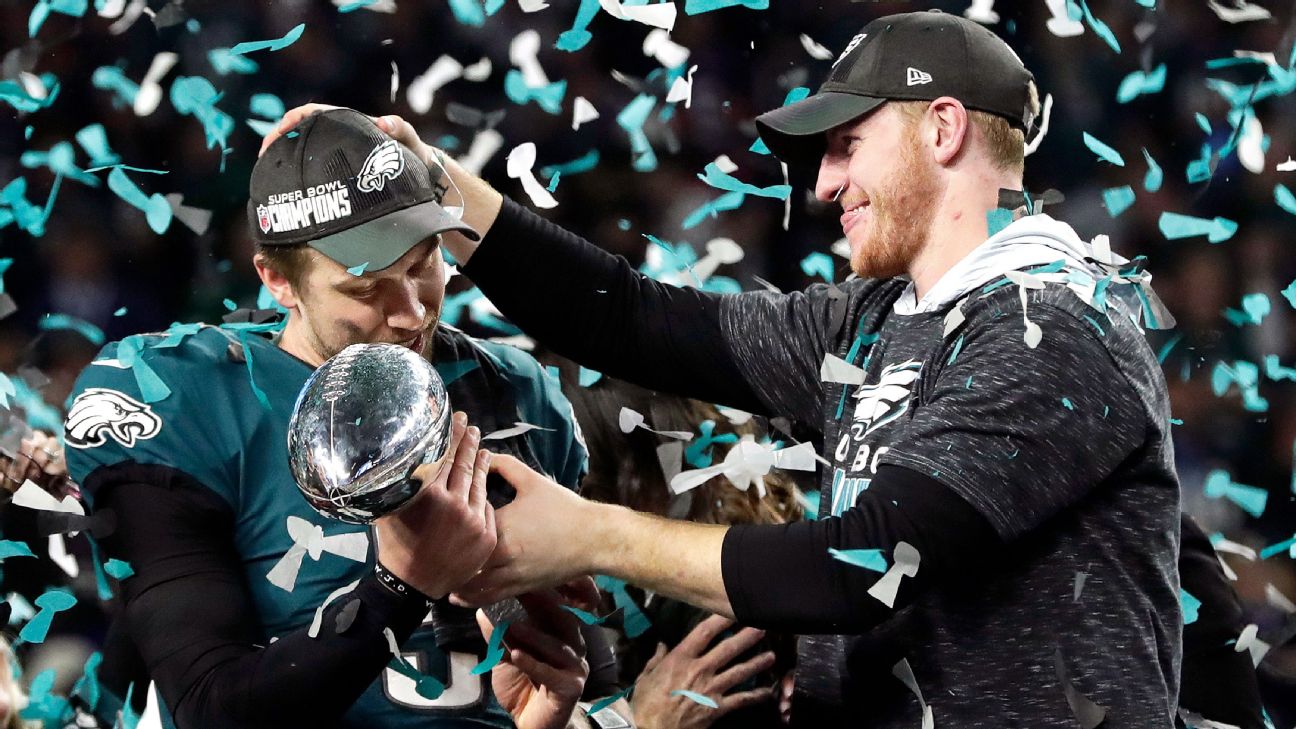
x: 832, y: 178
x: 406, y: 311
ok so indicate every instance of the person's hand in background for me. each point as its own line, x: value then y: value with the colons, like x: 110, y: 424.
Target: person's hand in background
x: 695, y: 665
x: 39, y: 459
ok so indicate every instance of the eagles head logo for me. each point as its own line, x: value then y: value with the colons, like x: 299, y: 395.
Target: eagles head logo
x: 98, y: 414
x: 263, y: 218
x: 384, y: 163
x: 887, y: 400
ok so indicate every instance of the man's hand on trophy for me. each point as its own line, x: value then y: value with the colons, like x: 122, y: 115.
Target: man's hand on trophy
x: 444, y: 535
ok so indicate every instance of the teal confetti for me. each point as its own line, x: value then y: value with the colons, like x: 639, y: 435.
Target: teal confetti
x: 1152, y: 180
x: 576, y: 37
x: 869, y: 559
x: 358, y: 270
x: 1203, y: 123
x: 634, y: 622
x: 51, y: 602
x: 60, y: 159
x: 587, y: 617
x: 119, y: 569
x: 267, y: 106
x: 1175, y: 226
x: 548, y: 97
x: 1096, y: 325
x: 353, y: 6
x: 696, y: 7
x: 494, y: 650
x: 1275, y: 371
x: 1251, y: 499
x: 1139, y: 83
x: 195, y: 95
x: 1289, y: 293
x: 229, y: 304
x: 130, y: 354
x: 1255, y: 307
x: 1200, y: 169
x: 1118, y: 199
x: 1246, y: 376
x: 120, y: 312
x: 1099, y: 28
x: 818, y: 264
x: 632, y: 119
x: 245, y: 339
x: 468, y: 12
x: 1066, y: 402
x: 1103, y: 151
x: 27, y: 132
x: 7, y: 390
x: 13, y: 94
x: 588, y: 377
x: 157, y: 211
x: 997, y: 220
x: 426, y: 686
x: 1285, y: 199
x: 605, y: 702
x: 28, y: 216
x: 276, y: 44
x: 697, y: 698
x: 42, y: 9
x: 1176, y: 421
x: 87, y: 687
x: 45, y: 707
x: 1191, y: 605
x: 553, y: 181
x: 721, y: 180
x: 624, y: 225
x: 226, y: 62
x: 10, y: 548
x: 724, y: 203
x: 112, y: 78
x: 1289, y: 546
x: 52, y: 322
x: 584, y: 163
x: 957, y: 349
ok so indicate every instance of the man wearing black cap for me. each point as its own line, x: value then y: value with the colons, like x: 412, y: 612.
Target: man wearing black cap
x: 249, y: 609
x: 995, y: 426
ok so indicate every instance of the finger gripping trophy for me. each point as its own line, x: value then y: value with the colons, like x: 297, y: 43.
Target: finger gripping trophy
x: 362, y: 423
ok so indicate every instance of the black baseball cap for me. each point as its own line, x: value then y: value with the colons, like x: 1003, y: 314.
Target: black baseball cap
x: 337, y: 183
x: 910, y: 56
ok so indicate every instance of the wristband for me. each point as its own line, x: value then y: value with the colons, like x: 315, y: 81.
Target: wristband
x: 396, y: 585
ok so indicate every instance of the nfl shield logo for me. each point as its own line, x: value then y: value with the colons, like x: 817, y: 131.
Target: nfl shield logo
x: 263, y: 217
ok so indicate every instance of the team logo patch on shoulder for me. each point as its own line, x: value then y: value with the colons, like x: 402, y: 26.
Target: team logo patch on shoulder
x: 384, y: 163
x: 887, y: 400
x: 98, y: 414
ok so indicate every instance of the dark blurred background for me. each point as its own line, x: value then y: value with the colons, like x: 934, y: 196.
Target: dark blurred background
x: 98, y: 262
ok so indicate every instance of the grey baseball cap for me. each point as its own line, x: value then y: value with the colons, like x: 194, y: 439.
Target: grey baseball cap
x: 337, y: 183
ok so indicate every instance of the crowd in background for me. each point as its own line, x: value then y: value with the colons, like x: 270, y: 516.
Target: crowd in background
x: 103, y: 273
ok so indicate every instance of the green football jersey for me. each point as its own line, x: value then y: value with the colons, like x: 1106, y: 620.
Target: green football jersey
x: 215, y: 405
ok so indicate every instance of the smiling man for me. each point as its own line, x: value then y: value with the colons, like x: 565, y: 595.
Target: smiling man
x: 1000, y: 439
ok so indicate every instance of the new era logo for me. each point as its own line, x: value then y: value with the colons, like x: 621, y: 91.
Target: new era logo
x: 917, y: 77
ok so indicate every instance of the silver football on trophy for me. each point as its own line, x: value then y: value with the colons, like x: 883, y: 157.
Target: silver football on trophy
x: 362, y: 423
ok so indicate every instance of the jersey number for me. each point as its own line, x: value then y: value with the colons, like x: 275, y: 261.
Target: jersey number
x: 463, y: 689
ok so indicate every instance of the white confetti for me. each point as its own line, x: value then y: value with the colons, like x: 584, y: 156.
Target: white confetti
x: 1046, y: 113
x: 982, y: 11
x: 483, y: 147
x: 582, y: 111
x: 746, y: 463
x: 314, y: 629
x: 904, y: 672
x: 816, y: 51
x: 518, y: 429
x: 1061, y: 24
x: 658, y: 45
x: 522, y: 53
x: 955, y: 318
x: 520, y: 164
x: 309, y: 539
x: 629, y: 419
x: 150, y: 90
x: 532, y: 6
x: 726, y: 165
x: 395, y: 81
x: 735, y: 416
x: 1275, y: 598
x: 58, y: 554
x: 1240, y: 12
x: 151, y: 718
x: 659, y: 16
x: 31, y: 496
x: 841, y: 248
x: 479, y: 71
x: 719, y: 252
x: 905, y: 561
x: 1248, y: 641
x: 1288, y: 166
x: 1250, y: 146
x: 835, y: 369
x: 424, y: 86
x: 682, y: 89
x: 671, y: 457
x: 1241, y: 550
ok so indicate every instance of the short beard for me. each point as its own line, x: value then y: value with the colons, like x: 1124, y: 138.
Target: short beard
x: 902, y: 214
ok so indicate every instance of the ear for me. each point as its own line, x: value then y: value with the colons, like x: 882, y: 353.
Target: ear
x: 948, y: 129
x: 276, y: 283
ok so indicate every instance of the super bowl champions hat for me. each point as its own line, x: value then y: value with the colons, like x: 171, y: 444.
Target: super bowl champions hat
x: 337, y: 183
x: 910, y: 56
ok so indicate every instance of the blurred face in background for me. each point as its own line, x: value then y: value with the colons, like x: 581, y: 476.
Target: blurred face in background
x: 332, y: 309
x: 12, y: 699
